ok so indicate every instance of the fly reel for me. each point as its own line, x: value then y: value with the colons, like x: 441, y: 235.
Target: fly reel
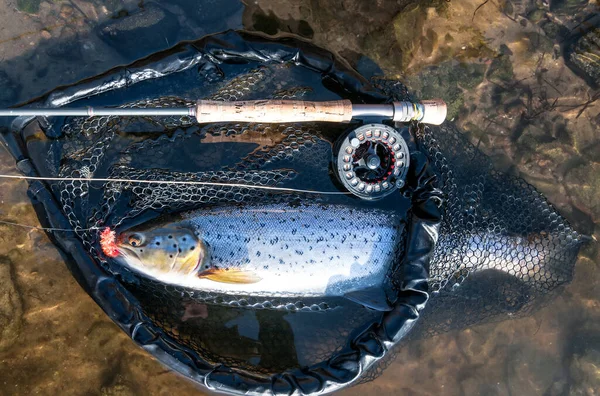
x: 372, y: 161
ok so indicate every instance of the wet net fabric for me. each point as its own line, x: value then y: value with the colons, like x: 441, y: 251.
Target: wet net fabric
x: 263, y: 337
x: 501, y: 248
x: 495, y: 226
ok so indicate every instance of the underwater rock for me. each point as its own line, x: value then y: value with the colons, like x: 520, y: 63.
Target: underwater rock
x: 552, y: 30
x: 138, y: 34
x: 567, y: 7
x: 592, y: 152
x: 530, y: 366
x: 447, y: 81
x: 536, y: 15
x: 384, y: 52
x: 429, y: 42
x: 68, y: 46
x: 583, y: 56
x: 538, y: 43
x: 585, y: 372
x: 271, y: 24
x: 66, y: 11
x: 365, y: 66
x: 29, y: 6
x: 117, y: 390
x: 583, y: 184
x: 582, y: 356
x: 10, y: 306
x: 501, y: 68
x: 547, y: 161
x: 520, y: 7
x: 209, y: 11
x: 408, y: 25
x: 9, y: 91
x: 119, y: 7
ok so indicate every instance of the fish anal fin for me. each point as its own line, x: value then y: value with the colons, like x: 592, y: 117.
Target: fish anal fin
x: 373, y: 297
x: 230, y: 275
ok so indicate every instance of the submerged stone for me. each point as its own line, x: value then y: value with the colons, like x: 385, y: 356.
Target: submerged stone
x: 10, y: 306
x: 583, y: 184
x: 536, y: 15
x: 408, y: 25
x: 9, y: 91
x: 583, y: 56
x: 447, y: 81
x: 500, y: 69
x: 141, y: 33
x: 567, y: 7
x: 29, y: 6
x: 429, y: 42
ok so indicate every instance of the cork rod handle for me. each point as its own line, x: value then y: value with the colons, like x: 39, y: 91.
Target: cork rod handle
x: 268, y: 111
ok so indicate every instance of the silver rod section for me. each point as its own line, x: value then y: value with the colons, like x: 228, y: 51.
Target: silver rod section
x: 90, y: 112
x: 370, y: 110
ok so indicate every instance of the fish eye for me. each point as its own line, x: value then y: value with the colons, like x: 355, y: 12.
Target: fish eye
x: 135, y: 240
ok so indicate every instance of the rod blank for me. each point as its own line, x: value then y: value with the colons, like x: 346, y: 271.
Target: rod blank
x: 102, y: 111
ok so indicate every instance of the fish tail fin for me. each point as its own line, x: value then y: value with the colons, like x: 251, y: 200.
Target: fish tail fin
x: 229, y: 275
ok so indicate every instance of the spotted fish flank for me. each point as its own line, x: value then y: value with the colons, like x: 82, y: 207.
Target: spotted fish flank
x: 271, y: 250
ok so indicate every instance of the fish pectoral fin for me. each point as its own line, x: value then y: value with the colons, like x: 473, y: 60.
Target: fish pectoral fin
x: 373, y: 297
x: 230, y: 275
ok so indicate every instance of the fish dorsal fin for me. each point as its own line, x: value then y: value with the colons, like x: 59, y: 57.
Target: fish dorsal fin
x: 231, y: 275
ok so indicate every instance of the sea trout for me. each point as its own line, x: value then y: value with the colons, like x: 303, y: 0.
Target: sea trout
x: 275, y: 250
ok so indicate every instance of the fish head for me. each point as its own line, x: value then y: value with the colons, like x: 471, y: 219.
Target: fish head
x: 162, y: 250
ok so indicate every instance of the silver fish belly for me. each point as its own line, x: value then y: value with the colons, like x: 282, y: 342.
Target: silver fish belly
x: 308, y: 250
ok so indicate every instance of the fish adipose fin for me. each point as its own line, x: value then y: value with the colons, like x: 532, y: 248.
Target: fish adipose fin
x: 373, y: 297
x: 230, y: 275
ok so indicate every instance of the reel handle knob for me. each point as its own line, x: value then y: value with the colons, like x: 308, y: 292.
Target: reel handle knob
x: 428, y: 111
x: 434, y: 111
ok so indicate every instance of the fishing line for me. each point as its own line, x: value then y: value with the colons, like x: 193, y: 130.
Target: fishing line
x: 184, y: 182
x: 171, y: 182
x: 47, y: 228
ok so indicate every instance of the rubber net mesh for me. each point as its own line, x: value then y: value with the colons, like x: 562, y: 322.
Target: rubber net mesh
x: 502, y: 247
x: 244, y: 332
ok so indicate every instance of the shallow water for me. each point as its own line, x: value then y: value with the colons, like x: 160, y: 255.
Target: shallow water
x: 501, y: 69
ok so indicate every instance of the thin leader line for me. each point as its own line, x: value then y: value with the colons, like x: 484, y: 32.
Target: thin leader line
x: 184, y: 182
x: 172, y: 182
x: 48, y: 228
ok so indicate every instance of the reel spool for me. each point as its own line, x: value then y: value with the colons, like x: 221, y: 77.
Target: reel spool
x: 373, y: 161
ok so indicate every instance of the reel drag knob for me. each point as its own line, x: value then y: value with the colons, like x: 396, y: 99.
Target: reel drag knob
x: 372, y: 161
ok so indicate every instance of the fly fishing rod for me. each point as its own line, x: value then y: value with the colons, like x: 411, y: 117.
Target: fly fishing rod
x: 264, y: 111
x: 371, y: 161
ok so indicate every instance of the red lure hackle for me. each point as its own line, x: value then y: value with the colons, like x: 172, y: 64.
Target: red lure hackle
x: 108, y: 242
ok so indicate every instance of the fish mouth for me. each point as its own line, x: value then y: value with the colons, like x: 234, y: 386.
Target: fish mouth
x: 126, y: 252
